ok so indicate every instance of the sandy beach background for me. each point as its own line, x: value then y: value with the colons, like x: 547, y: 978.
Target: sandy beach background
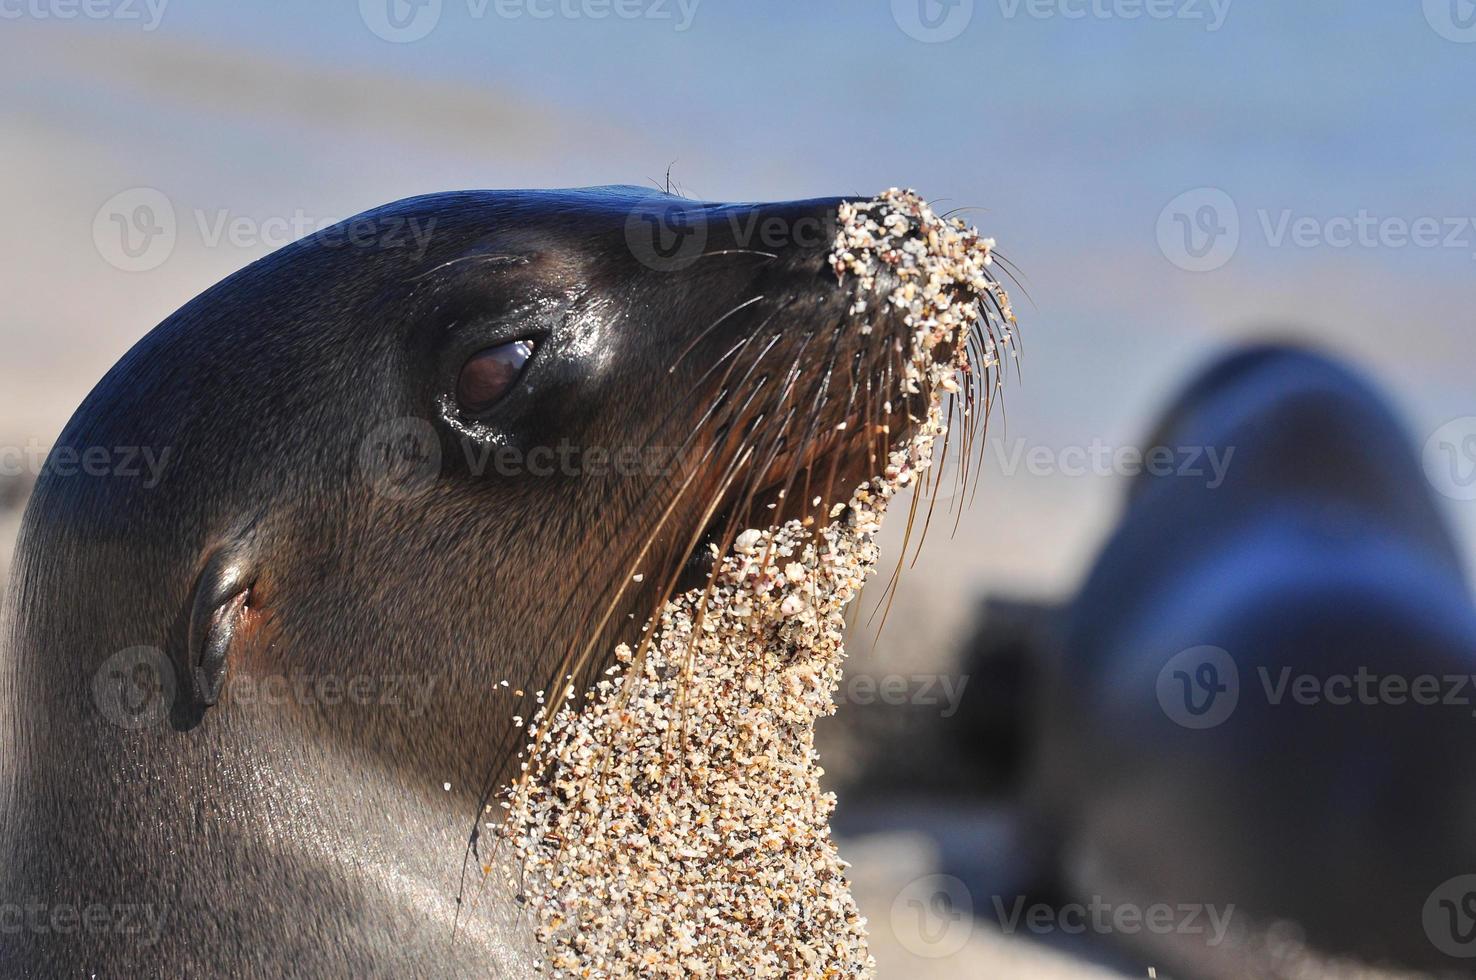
x: 1089, y: 147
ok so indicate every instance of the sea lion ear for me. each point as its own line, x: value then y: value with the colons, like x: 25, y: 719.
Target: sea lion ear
x: 216, y: 612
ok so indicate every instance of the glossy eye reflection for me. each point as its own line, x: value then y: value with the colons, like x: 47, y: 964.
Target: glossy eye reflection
x: 489, y: 374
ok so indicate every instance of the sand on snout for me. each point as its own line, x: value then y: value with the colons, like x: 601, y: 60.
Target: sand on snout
x: 671, y: 821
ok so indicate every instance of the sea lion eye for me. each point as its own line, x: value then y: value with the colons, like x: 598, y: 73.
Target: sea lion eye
x: 490, y: 373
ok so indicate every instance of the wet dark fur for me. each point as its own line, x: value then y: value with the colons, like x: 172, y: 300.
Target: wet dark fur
x: 316, y: 838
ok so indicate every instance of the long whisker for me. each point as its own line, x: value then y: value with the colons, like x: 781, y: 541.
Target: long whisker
x: 736, y: 412
x: 488, y: 258
x: 589, y: 648
x: 935, y: 476
x: 708, y: 331
x: 739, y: 251
x: 814, y: 413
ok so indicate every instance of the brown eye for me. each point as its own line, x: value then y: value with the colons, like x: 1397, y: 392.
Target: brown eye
x: 489, y: 374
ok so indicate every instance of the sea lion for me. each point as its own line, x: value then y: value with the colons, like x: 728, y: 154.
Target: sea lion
x: 255, y: 709
x: 1198, y: 735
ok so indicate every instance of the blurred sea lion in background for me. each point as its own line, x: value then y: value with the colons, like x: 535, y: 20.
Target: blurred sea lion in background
x: 1261, y: 700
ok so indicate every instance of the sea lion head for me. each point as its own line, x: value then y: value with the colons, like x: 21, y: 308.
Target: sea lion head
x: 461, y: 440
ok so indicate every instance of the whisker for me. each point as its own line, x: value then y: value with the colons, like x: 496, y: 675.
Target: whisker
x: 708, y: 332
x: 935, y: 477
x: 739, y: 251
x: 490, y: 258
